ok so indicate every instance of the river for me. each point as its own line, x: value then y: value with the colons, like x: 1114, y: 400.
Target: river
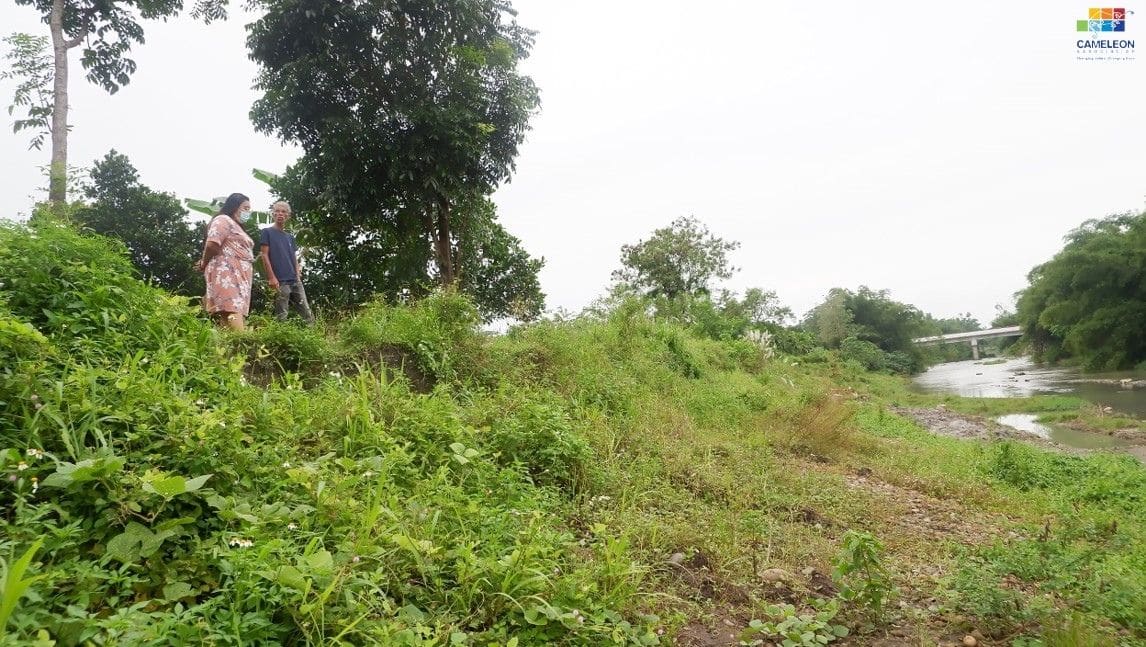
x: 1020, y: 377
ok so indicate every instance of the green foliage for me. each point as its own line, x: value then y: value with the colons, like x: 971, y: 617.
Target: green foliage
x: 163, y: 246
x: 860, y: 573
x: 534, y: 433
x: 864, y: 353
x: 494, y: 268
x: 107, y: 31
x: 870, y: 316
x: 527, y: 493
x: 679, y: 260
x: 30, y: 65
x: 13, y: 584
x: 178, y: 504
x: 277, y: 347
x: 408, y: 119
x: 437, y: 333
x: 1088, y: 301
x: 789, y: 628
x: 1075, y: 632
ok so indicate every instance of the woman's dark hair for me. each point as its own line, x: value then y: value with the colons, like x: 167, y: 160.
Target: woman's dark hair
x: 231, y: 205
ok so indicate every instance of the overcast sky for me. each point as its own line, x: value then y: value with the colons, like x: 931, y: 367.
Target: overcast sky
x: 938, y: 150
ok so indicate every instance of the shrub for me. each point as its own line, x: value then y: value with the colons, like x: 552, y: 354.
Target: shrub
x: 274, y: 347
x: 533, y: 432
x: 864, y: 353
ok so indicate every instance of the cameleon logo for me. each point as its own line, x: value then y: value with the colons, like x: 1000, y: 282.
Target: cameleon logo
x: 1103, y: 26
x: 1103, y: 19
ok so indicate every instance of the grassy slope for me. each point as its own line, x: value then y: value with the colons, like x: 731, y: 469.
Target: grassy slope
x: 584, y: 482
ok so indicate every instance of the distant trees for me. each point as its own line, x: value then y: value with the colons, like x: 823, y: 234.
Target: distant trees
x: 151, y: 224
x: 1089, y: 301
x: 868, y: 326
x: 677, y: 269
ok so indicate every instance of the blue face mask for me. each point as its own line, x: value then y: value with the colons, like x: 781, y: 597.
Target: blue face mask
x: 244, y: 215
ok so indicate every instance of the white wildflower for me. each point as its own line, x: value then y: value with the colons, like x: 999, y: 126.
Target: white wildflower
x: 21, y: 466
x: 292, y: 526
x: 35, y: 453
x: 35, y: 485
x: 286, y: 465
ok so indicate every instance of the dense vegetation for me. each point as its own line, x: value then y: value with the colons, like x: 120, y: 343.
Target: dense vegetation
x: 400, y: 478
x: 1089, y: 301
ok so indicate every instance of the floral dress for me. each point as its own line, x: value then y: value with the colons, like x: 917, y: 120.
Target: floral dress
x: 229, y: 272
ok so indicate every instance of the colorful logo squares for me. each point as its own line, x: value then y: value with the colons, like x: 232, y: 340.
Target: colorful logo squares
x: 1103, y: 19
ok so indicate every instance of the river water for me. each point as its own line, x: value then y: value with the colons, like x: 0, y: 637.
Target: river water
x: 1020, y: 377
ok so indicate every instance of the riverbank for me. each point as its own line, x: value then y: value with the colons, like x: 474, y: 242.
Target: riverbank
x: 945, y: 422
x: 1013, y: 396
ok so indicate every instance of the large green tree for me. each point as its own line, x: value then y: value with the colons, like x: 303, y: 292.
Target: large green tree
x: 405, y: 110
x: 162, y: 244
x: 348, y: 264
x: 865, y: 322
x: 106, y: 30
x: 1089, y: 301
x: 683, y: 259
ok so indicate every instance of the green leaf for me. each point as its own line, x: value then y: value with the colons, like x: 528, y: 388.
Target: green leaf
x: 536, y: 616
x: 177, y: 590
x: 291, y: 577
x: 124, y: 547
x: 197, y: 482
x: 321, y: 561
x: 412, y: 613
x: 168, y: 488
x: 14, y: 584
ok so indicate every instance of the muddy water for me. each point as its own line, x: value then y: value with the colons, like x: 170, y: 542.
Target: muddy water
x: 1019, y: 377
x: 1060, y: 434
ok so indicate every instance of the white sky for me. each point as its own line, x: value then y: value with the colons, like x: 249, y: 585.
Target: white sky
x: 939, y: 150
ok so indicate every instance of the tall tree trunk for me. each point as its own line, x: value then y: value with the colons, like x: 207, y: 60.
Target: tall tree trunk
x: 58, y: 171
x: 443, y: 248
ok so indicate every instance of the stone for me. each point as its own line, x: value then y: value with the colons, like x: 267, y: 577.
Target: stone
x: 676, y: 558
x: 776, y: 575
x: 969, y: 641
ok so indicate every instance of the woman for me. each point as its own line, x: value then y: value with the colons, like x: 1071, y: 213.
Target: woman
x: 226, y: 263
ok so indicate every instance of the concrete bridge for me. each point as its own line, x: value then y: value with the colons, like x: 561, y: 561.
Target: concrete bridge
x: 974, y: 336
